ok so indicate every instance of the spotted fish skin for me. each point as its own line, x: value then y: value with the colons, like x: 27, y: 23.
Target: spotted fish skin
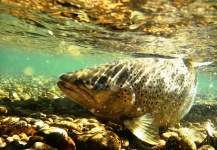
x: 160, y: 89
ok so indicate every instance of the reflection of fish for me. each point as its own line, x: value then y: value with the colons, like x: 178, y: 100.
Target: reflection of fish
x: 141, y: 93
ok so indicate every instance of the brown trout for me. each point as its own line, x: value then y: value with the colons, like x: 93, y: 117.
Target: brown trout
x: 141, y: 93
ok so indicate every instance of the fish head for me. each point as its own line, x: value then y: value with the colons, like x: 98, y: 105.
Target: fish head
x: 79, y: 89
x: 93, y: 92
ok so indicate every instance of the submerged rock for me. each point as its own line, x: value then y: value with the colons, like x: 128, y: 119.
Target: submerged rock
x: 40, y: 146
x: 99, y: 141
x: 206, y: 147
x: 187, y: 144
x: 3, y: 110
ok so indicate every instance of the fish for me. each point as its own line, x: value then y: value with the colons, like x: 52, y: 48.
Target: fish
x: 142, y: 94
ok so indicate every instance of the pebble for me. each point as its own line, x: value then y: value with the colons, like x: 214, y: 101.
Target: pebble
x: 50, y: 120
x: 23, y: 136
x: 53, y: 130
x: 206, y: 147
x: 38, y: 115
x: 2, y: 142
x: 10, y: 120
x: 9, y: 139
x: 193, y: 134
x: 172, y: 143
x: 16, y: 137
x: 166, y: 135
x: 14, y: 145
x: 37, y: 123
x: 40, y: 146
x: 70, y: 125
x: 3, y: 110
x: 32, y: 140
x: 65, y: 143
x: 187, y: 144
x: 103, y: 140
x: 68, y: 119
x: 14, y: 95
x: 22, y: 123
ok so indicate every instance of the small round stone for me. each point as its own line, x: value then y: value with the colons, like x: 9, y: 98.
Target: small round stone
x: 166, y: 135
x: 23, y: 136
x: 22, y: 123
x: 16, y: 137
x: 40, y: 145
x: 38, y: 123
x: 172, y: 143
x: 187, y: 144
x: 55, y: 130
x: 10, y: 120
x: 2, y: 143
x: 65, y: 143
x: 38, y: 115
x: 33, y: 140
x: 206, y: 147
x: 9, y: 139
x: 3, y: 110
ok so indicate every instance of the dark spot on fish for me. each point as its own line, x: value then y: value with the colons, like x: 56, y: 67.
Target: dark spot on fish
x: 92, y: 83
x: 95, y: 78
x: 115, y: 70
x: 102, y: 80
x: 122, y: 77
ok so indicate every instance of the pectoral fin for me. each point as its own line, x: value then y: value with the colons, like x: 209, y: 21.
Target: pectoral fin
x: 144, y: 128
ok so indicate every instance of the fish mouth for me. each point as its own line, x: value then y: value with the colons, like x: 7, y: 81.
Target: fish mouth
x: 76, y: 93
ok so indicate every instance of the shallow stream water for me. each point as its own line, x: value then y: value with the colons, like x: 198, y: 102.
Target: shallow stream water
x: 40, y: 44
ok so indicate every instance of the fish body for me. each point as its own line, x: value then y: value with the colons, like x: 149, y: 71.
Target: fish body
x: 141, y: 93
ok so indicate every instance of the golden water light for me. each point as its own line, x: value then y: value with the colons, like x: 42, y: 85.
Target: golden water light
x: 28, y: 71
x: 74, y: 50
